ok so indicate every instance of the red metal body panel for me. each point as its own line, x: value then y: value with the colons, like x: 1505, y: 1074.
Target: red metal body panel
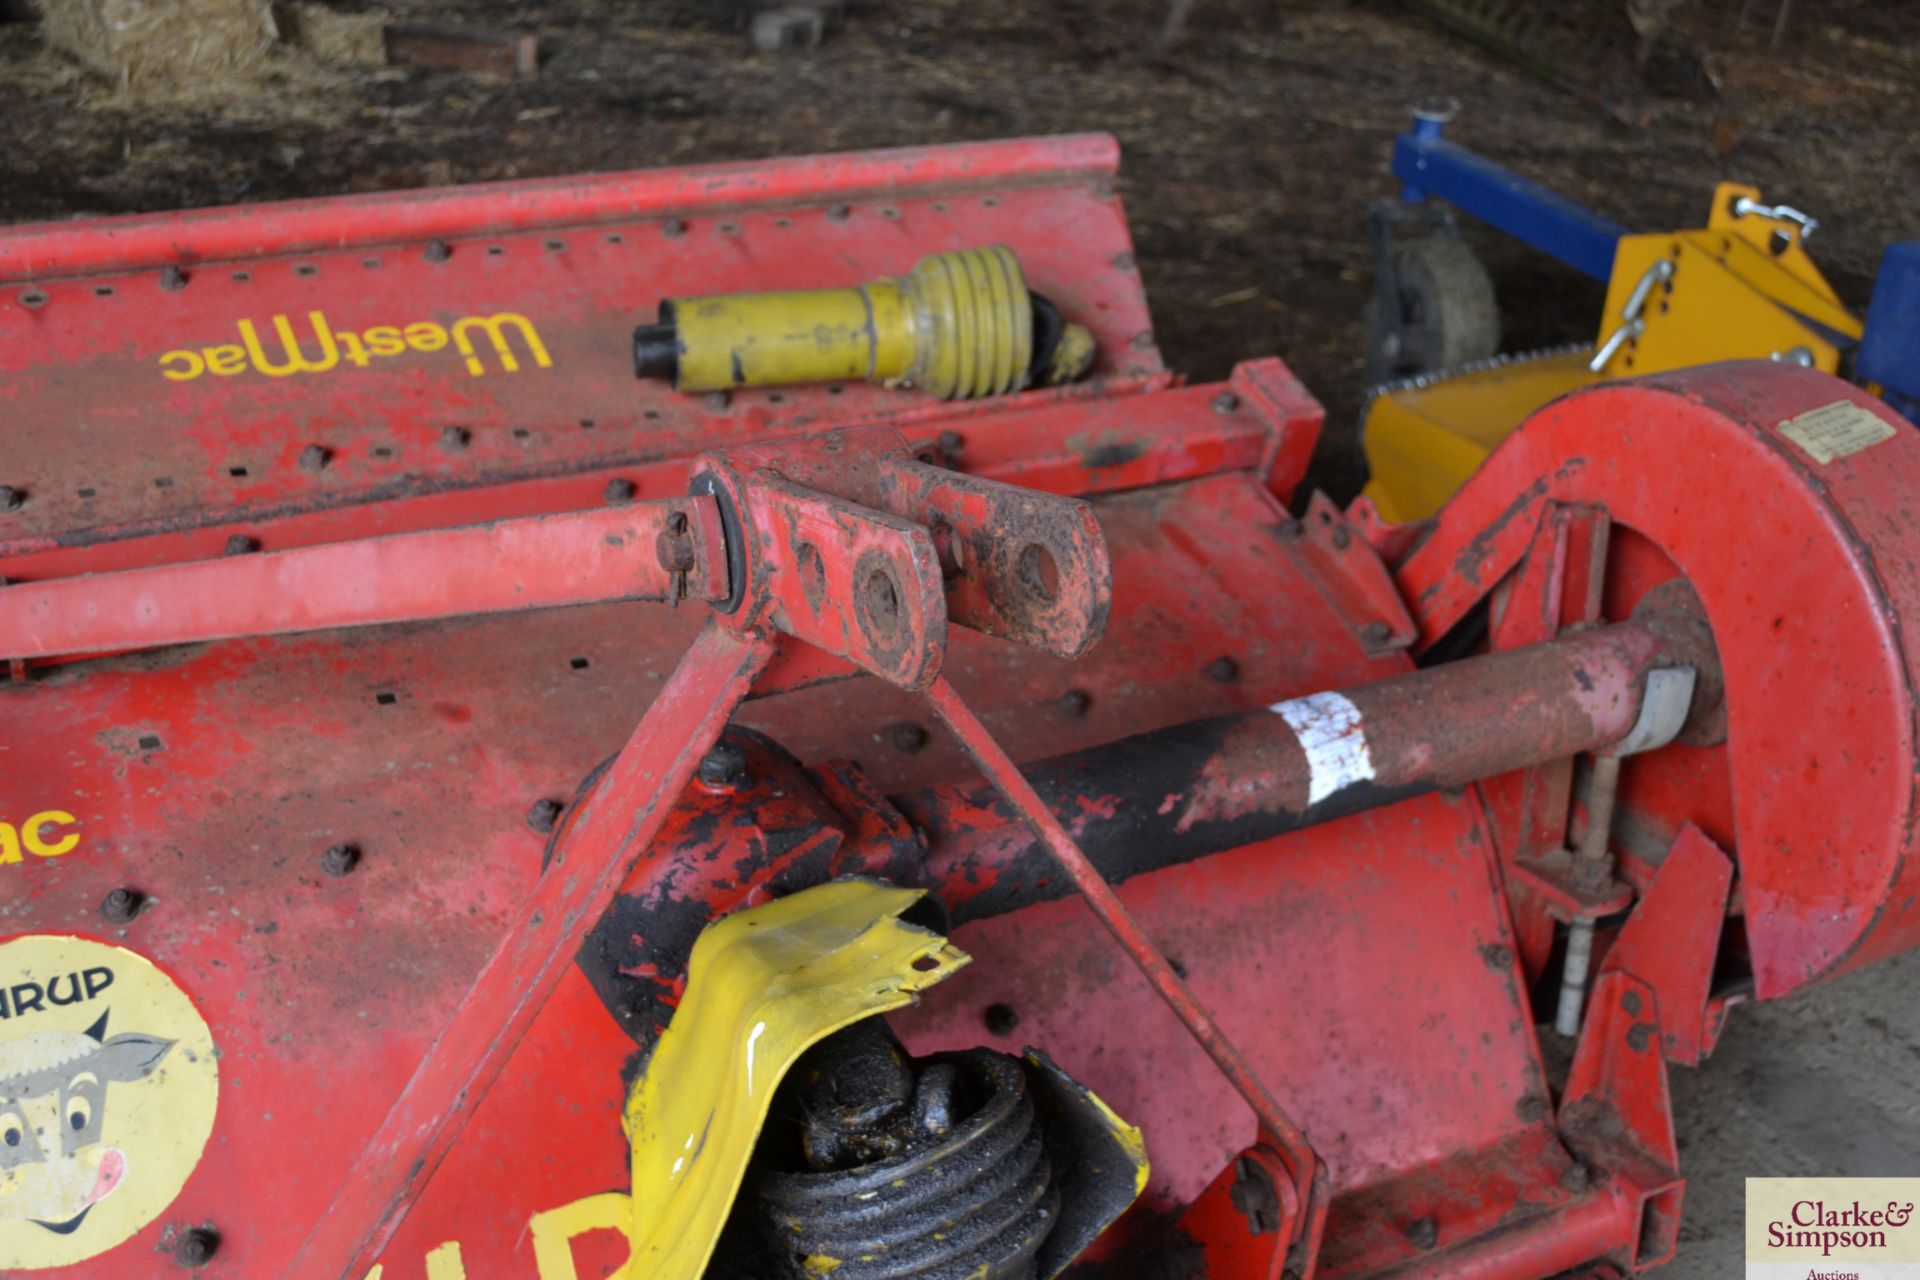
x: 422, y: 1061
x: 1808, y: 628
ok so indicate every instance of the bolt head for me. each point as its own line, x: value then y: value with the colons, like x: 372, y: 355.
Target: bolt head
x: 618, y: 490
x: 12, y: 499
x: 1577, y: 1178
x: 172, y: 278
x: 674, y: 226
x: 1376, y: 633
x: 907, y: 737
x: 544, y: 815
x: 121, y: 906
x: 239, y: 545
x: 196, y: 1246
x: 1001, y: 1019
x: 1226, y: 402
x: 454, y: 438
x: 719, y: 401
x: 724, y: 766
x: 1223, y: 669
x: 339, y: 860
x: 1423, y: 1233
x: 950, y: 443
x: 315, y: 457
x: 437, y: 251
x: 1074, y: 703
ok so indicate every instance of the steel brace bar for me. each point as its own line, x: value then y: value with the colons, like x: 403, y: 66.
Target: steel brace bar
x: 1276, y: 1127
x: 669, y: 549
x: 608, y: 837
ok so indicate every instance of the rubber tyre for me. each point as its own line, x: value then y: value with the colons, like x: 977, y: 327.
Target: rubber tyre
x: 1447, y: 310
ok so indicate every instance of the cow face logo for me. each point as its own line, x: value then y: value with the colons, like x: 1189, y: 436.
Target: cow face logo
x: 108, y: 1085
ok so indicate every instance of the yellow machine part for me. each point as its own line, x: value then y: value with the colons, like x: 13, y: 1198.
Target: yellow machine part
x: 1741, y: 288
x: 763, y: 986
x: 1423, y: 442
x: 959, y: 325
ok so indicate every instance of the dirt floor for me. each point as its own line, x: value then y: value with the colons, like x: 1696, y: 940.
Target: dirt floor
x: 1253, y: 148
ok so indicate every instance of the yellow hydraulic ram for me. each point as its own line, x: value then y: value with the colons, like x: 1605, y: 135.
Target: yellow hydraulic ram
x: 959, y: 325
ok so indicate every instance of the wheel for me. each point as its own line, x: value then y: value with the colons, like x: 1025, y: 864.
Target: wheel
x: 1448, y: 316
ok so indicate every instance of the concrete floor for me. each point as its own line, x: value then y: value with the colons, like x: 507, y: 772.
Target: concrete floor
x: 1825, y: 1082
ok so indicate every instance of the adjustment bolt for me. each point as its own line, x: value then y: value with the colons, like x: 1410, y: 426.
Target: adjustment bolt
x: 196, y: 1246
x: 1423, y: 1233
x: 544, y: 814
x: 172, y: 278
x: 437, y: 251
x: 618, y: 491
x: 239, y: 545
x: 1226, y: 402
x: 339, y: 860
x: 724, y: 767
x: 907, y: 737
x: 454, y: 438
x: 315, y: 457
x: 1223, y: 669
x: 121, y: 906
x: 12, y: 499
x: 1253, y: 1195
x: 1074, y: 703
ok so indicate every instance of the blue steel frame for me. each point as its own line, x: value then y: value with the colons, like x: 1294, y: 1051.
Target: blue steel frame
x: 1890, y: 350
x: 1428, y: 165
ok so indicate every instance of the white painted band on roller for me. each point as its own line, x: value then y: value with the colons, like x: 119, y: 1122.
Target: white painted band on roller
x: 1329, y: 729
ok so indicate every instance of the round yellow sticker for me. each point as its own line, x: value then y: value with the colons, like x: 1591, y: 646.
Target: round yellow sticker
x: 108, y: 1086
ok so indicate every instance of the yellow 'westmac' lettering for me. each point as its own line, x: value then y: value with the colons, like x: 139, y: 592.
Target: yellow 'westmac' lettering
x: 32, y: 836
x: 293, y: 357
x: 312, y: 345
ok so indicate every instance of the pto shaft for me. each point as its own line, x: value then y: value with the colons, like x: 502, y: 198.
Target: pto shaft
x: 959, y: 325
x: 1177, y: 794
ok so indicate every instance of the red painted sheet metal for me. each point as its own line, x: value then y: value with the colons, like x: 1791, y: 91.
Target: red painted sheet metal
x: 1290, y: 915
x: 213, y: 777
x: 38, y: 251
x: 129, y: 403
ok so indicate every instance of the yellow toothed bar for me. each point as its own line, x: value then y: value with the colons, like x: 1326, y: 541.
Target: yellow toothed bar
x: 960, y: 325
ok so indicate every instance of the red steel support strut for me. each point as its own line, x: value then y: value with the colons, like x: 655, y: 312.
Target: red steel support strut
x: 1276, y: 1127
x: 612, y: 834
